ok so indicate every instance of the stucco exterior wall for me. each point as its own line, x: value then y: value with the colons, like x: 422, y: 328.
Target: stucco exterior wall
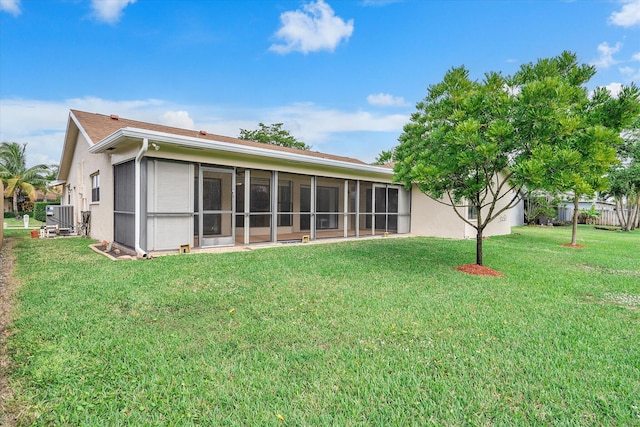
x: 77, y: 190
x: 431, y: 218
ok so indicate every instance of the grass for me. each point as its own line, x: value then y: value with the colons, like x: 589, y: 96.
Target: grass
x: 375, y: 332
x: 19, y: 223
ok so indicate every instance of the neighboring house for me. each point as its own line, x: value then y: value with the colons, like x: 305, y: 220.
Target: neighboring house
x: 155, y: 188
x: 41, y: 196
x: 565, y: 209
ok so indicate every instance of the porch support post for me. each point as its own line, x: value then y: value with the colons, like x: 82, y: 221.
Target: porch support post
x: 313, y: 208
x: 274, y: 206
x: 358, y: 208
x: 247, y: 204
x: 345, y: 216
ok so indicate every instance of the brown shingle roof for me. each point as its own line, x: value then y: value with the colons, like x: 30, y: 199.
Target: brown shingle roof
x: 99, y: 126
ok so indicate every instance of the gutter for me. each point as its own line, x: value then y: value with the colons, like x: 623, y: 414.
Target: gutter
x: 137, y: 214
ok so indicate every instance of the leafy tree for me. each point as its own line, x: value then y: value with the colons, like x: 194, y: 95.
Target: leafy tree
x: 624, y: 184
x: 274, y: 135
x: 572, y: 149
x: 17, y: 178
x: 385, y: 157
x: 623, y: 114
x: 459, y: 147
x: 476, y: 144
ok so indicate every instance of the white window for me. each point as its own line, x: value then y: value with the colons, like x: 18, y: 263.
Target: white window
x: 95, y: 187
x: 472, y: 212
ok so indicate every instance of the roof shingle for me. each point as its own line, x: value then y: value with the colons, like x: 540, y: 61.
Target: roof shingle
x: 99, y: 126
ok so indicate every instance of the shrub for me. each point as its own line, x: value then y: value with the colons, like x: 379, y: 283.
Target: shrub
x: 12, y: 214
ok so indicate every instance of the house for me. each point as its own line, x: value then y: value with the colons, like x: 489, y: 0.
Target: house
x: 154, y: 188
x: 26, y: 205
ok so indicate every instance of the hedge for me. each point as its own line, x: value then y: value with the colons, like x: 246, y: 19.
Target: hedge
x: 11, y: 214
x: 40, y: 210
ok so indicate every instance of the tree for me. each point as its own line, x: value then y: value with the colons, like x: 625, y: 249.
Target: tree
x: 17, y: 178
x: 274, y: 135
x: 624, y: 185
x: 572, y: 148
x: 622, y: 114
x: 459, y: 148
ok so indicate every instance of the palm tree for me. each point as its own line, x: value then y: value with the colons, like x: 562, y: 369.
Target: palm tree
x: 15, y: 174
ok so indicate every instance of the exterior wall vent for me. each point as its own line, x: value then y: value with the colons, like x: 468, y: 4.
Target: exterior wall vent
x: 115, y: 117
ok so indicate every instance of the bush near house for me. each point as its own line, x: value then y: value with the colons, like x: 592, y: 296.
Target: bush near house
x: 20, y: 214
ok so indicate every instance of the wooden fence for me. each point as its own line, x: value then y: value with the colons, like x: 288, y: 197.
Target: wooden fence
x: 606, y: 218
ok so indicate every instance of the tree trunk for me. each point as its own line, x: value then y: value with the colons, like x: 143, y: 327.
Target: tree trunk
x: 576, y: 213
x: 635, y: 221
x: 620, y: 213
x: 16, y: 192
x: 479, y: 246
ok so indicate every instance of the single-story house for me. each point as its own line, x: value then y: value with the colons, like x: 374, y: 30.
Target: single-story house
x: 153, y: 188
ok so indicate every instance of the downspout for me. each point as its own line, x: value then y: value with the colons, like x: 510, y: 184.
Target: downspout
x: 137, y: 214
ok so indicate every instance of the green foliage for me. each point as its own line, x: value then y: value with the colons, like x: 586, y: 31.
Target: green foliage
x: 15, y: 175
x: 13, y: 214
x: 40, y: 210
x: 274, y: 135
x: 540, y: 207
x: 459, y: 146
x: 385, y: 157
x: 373, y: 332
x: 590, y: 214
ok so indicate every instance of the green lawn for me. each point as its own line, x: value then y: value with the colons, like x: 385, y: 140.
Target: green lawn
x: 19, y: 223
x: 373, y: 332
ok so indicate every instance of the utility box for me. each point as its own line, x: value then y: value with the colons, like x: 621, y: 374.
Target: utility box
x: 61, y: 218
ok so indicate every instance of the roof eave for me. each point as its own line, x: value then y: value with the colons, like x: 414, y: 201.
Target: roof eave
x: 115, y: 138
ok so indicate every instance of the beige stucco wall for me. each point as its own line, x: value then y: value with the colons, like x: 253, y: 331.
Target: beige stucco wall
x: 431, y: 218
x: 83, y: 165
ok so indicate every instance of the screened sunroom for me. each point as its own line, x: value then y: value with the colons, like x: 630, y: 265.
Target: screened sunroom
x: 206, y: 205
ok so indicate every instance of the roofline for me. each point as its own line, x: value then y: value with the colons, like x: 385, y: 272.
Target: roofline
x: 190, y: 142
x: 80, y: 128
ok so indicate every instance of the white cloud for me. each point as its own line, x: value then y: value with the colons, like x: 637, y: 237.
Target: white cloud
x: 636, y: 57
x: 109, y: 11
x: 628, y: 16
x: 178, y: 119
x: 614, y: 88
x: 359, y: 134
x: 314, y: 28
x: 317, y: 125
x: 386, y: 100
x: 10, y: 6
x: 630, y: 73
x: 606, y: 54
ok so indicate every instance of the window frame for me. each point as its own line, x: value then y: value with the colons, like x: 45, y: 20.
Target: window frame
x: 95, y: 187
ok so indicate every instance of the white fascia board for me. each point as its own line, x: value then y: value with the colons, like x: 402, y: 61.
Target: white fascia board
x: 189, y: 142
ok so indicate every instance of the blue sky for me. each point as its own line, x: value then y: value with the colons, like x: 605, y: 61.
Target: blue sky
x: 343, y: 76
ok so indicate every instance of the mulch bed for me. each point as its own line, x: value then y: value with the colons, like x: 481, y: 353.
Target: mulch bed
x: 479, y: 270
